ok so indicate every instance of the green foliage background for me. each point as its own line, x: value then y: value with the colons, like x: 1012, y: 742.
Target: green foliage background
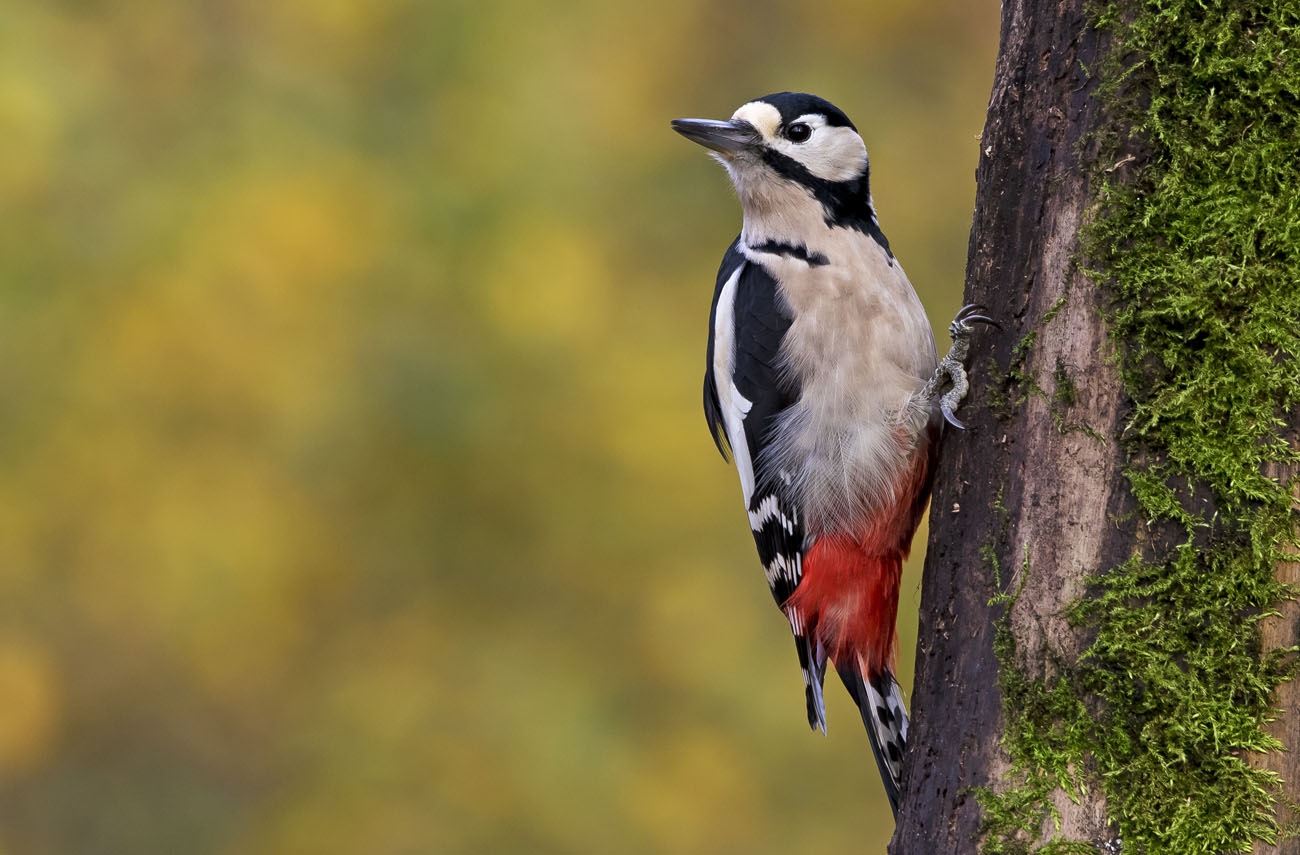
x: 354, y: 492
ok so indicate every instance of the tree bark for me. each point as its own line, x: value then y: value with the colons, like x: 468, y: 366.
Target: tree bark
x: 1031, y: 483
x: 1280, y: 631
x: 1057, y: 488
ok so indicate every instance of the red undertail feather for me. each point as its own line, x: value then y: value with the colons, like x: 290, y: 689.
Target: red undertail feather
x: 848, y: 596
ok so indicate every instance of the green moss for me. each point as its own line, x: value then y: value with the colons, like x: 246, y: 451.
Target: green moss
x: 1197, y: 244
x: 1014, y: 816
x: 1054, y: 310
x: 1009, y: 388
x: 1065, y: 393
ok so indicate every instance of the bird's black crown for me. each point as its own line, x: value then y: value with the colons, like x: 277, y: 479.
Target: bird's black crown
x: 792, y: 105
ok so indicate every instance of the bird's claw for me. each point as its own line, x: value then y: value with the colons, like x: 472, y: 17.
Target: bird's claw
x: 952, y: 368
x: 970, y: 313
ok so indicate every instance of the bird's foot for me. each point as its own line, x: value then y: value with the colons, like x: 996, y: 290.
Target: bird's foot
x: 949, y: 383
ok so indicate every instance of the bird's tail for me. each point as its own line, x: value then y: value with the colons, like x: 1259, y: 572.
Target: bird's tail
x: 881, y: 704
x: 847, y: 602
x: 812, y: 660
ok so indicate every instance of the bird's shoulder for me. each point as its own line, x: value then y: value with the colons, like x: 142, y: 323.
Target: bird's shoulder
x: 751, y: 306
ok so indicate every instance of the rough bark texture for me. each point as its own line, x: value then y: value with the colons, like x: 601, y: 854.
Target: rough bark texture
x: 1031, y: 483
x: 1283, y: 631
x: 1025, y: 481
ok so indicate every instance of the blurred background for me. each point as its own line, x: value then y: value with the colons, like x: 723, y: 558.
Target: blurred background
x: 355, y: 495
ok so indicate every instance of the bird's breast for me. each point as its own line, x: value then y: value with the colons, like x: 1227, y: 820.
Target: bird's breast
x: 861, y: 348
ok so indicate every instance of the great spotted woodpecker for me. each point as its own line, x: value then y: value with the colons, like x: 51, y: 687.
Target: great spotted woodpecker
x: 823, y: 380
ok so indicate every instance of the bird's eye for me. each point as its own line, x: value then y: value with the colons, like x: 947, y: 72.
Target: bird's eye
x: 798, y: 132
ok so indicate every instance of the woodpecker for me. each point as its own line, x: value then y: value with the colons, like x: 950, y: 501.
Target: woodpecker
x: 823, y: 381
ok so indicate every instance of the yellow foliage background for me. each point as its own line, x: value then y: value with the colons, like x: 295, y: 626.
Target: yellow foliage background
x: 355, y: 495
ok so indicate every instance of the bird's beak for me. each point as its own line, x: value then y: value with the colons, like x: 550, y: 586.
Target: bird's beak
x: 726, y: 137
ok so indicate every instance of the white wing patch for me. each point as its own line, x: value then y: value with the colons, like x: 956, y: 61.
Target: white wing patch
x: 734, y: 409
x: 734, y: 405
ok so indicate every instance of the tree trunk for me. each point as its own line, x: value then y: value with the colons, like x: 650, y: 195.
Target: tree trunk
x: 1050, y: 492
x: 1032, y: 499
x: 1280, y: 631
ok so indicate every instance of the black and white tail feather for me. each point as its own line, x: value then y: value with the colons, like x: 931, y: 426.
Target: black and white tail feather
x: 881, y: 703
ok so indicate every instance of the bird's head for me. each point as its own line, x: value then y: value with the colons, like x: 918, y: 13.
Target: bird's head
x: 787, y: 147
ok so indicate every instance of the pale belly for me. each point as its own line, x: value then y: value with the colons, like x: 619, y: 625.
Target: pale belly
x: 862, y: 349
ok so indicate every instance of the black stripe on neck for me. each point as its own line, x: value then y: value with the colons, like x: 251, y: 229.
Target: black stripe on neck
x: 844, y: 203
x: 799, y: 251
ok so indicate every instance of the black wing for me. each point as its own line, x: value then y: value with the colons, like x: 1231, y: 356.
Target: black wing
x: 761, y: 318
x: 712, y: 406
x: 761, y: 321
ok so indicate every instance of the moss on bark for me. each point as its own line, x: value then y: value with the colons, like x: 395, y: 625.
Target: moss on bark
x: 1195, y: 241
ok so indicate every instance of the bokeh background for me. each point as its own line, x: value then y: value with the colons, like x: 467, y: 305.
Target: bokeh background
x: 355, y: 495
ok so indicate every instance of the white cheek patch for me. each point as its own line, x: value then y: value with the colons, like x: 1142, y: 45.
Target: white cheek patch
x: 762, y: 115
x: 832, y: 153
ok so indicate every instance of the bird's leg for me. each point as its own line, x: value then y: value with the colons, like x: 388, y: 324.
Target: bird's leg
x: 951, y: 372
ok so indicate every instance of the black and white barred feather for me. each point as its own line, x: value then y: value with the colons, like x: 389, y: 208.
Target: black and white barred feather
x: 881, y: 703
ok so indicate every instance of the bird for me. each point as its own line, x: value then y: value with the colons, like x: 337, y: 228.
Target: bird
x: 823, y: 382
